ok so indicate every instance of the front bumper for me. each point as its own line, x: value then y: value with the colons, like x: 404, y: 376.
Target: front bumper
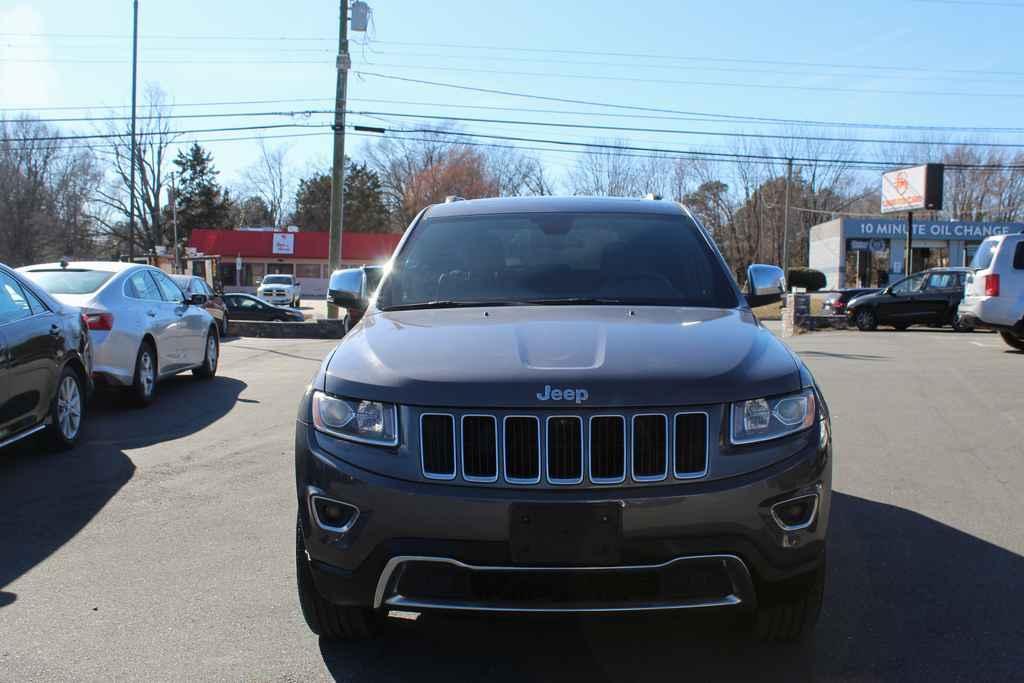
x: 276, y: 300
x: 724, y: 525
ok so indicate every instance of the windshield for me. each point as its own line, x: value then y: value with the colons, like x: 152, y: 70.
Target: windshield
x: 983, y: 257
x: 66, y: 281
x: 557, y: 258
x: 277, y: 280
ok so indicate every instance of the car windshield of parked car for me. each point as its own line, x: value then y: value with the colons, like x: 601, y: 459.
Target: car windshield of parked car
x: 68, y: 281
x: 552, y: 258
x: 983, y: 257
x: 277, y: 280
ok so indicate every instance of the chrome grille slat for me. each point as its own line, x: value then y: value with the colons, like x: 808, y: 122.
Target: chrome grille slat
x: 565, y: 449
x: 650, y: 447
x: 480, y: 448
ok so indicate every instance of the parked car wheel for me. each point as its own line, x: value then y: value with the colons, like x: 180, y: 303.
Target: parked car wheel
x: 297, y: 302
x: 787, y: 613
x: 143, y: 389
x: 959, y: 325
x: 867, y: 320
x: 1013, y: 340
x: 67, y: 410
x: 209, y: 367
x: 327, y: 620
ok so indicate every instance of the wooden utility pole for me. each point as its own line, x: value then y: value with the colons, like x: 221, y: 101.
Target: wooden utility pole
x: 338, y: 170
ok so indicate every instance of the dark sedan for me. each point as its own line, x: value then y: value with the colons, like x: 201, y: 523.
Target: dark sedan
x: 213, y: 302
x: 836, y: 302
x: 45, y: 364
x: 248, y: 307
x: 930, y: 297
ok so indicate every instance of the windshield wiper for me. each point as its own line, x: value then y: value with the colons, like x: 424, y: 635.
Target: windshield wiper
x: 578, y: 301
x: 448, y: 303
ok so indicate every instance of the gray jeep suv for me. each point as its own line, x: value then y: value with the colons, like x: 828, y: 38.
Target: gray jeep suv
x: 562, y: 405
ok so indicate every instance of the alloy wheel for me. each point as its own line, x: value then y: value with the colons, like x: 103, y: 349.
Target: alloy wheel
x: 147, y: 376
x: 69, y: 408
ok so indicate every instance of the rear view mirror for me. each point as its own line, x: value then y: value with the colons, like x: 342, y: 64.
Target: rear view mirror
x: 197, y: 300
x: 765, y: 285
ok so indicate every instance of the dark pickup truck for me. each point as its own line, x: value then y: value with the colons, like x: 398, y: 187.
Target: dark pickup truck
x: 562, y: 406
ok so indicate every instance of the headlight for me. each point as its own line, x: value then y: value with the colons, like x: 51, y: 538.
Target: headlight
x: 762, y: 419
x: 369, y: 422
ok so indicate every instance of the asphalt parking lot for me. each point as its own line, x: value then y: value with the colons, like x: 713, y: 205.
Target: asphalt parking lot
x: 162, y: 548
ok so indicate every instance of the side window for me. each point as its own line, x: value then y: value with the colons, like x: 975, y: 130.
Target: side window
x: 169, y: 291
x: 249, y: 304
x: 204, y: 288
x: 1018, y: 256
x: 13, y: 304
x: 941, y: 281
x: 141, y: 286
x: 34, y: 301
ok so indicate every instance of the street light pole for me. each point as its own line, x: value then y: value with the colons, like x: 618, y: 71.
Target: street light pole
x: 338, y: 170
x: 131, y: 184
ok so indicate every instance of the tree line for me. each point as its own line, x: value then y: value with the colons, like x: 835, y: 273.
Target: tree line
x: 59, y: 197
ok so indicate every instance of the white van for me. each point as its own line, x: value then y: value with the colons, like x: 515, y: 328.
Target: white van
x: 994, y: 293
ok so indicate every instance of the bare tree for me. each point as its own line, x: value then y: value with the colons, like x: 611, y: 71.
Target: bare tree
x: 609, y: 171
x: 45, y: 184
x: 153, y: 154
x: 272, y: 180
x: 516, y: 174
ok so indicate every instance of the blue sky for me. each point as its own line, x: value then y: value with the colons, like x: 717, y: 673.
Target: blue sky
x: 898, y: 61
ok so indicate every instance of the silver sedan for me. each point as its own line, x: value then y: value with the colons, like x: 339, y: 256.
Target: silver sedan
x: 142, y: 327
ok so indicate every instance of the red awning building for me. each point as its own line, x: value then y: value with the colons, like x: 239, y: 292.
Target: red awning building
x: 245, y: 256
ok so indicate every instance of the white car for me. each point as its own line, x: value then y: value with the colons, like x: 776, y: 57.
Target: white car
x: 142, y: 327
x: 280, y: 290
x: 994, y: 293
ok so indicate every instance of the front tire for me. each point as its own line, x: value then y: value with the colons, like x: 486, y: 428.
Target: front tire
x: 325, y: 619
x: 66, y: 411
x: 786, y: 614
x: 866, y: 320
x: 143, y: 389
x: 960, y: 326
x: 1013, y: 340
x: 212, y: 357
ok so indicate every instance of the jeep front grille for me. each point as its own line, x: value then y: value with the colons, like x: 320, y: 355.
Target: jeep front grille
x: 562, y: 449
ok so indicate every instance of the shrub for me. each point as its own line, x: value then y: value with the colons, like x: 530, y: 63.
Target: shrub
x: 810, y: 279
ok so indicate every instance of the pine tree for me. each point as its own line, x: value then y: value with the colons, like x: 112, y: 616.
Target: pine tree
x: 364, y: 202
x: 201, y: 201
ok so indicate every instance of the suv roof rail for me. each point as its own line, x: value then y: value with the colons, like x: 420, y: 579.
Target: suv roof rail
x: 452, y: 198
x: 653, y: 196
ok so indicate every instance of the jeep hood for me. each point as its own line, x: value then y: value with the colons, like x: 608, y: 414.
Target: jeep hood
x: 505, y: 357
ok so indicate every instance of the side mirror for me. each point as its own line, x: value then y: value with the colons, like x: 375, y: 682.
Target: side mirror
x: 197, y: 300
x: 346, y: 299
x: 765, y: 285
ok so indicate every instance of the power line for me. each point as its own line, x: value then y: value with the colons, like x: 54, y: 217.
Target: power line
x: 724, y: 117
x: 716, y: 84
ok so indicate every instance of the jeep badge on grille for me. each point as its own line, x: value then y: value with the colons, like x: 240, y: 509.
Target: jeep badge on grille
x: 566, y: 394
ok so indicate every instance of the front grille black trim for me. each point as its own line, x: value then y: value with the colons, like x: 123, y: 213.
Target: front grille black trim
x: 632, y: 450
x: 504, y: 450
x: 547, y: 450
x: 462, y: 450
x: 590, y: 451
x: 423, y: 460
x: 707, y: 445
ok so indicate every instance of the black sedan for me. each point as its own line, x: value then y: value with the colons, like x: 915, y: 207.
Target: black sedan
x: 835, y: 303
x: 248, y: 307
x: 930, y: 297
x: 45, y: 364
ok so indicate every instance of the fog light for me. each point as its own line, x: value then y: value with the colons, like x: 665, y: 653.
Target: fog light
x: 796, y: 513
x: 333, y: 515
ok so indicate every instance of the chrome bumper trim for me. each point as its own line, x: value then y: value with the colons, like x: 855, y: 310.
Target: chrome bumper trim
x: 735, y: 568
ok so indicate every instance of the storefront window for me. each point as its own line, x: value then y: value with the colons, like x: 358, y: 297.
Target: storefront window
x: 307, y: 270
x: 867, y: 263
x: 251, y: 272
x: 227, y: 274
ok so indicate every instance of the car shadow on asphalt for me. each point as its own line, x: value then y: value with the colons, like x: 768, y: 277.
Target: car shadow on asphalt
x: 48, y: 497
x: 907, y: 598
